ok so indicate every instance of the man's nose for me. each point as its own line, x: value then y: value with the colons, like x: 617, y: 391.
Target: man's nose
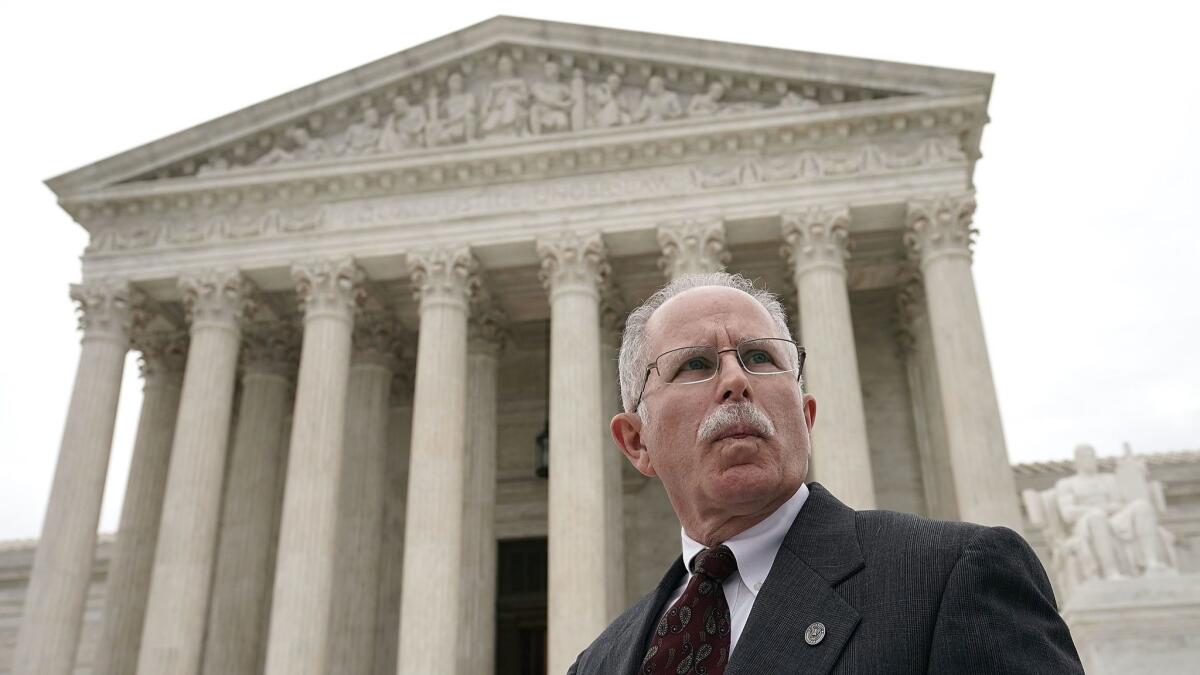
x: 733, y: 381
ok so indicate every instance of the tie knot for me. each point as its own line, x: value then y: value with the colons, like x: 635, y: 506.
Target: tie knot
x: 716, y: 563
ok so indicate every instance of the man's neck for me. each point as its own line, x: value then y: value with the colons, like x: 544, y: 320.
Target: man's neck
x: 719, y: 528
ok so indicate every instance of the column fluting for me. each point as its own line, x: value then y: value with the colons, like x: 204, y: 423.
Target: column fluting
x: 612, y: 321
x: 940, y: 237
x: 173, y: 634
x: 817, y: 248
x: 444, y: 279
x: 237, y: 621
x: 163, y: 355
x: 573, y: 270
x: 298, y: 642
x: 486, y: 337
x: 391, y: 554
x: 62, y: 562
x: 361, y: 501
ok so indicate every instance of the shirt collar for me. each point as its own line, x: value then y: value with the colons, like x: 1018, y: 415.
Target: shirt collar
x: 755, y: 548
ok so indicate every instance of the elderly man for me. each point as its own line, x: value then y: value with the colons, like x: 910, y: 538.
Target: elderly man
x: 778, y: 576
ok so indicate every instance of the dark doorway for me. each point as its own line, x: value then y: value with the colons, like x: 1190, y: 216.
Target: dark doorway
x: 521, y: 607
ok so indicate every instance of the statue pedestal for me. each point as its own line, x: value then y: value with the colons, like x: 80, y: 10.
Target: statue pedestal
x: 1143, y: 625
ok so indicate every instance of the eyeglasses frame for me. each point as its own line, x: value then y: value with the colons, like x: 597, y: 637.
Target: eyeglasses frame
x: 800, y: 355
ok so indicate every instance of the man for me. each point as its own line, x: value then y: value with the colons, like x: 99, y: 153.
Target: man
x: 783, y: 577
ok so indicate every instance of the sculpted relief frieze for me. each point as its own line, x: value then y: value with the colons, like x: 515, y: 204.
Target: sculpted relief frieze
x: 512, y: 93
x: 365, y: 210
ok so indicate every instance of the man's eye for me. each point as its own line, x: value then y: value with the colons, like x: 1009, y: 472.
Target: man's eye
x: 758, y: 357
x: 694, y: 364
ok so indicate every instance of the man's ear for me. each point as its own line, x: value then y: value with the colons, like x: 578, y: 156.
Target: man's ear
x: 626, y: 430
x: 809, y: 404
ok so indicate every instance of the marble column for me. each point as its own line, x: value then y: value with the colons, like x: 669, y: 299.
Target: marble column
x: 298, y: 642
x: 477, y: 603
x: 444, y: 279
x: 817, y: 248
x: 361, y: 501
x: 183, y: 561
x: 692, y: 246
x: 163, y: 356
x: 391, y: 554
x: 237, y: 621
x: 916, y: 349
x: 573, y: 270
x: 612, y: 321
x: 62, y: 562
x: 940, y: 237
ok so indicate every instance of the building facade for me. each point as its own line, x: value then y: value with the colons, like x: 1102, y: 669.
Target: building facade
x: 378, y: 320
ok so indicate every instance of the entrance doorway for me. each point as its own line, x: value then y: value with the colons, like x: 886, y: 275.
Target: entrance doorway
x: 521, y: 607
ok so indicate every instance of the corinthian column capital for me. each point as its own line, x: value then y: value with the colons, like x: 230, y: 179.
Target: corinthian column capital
x: 817, y: 237
x: 328, y: 287
x: 376, y: 339
x: 218, y: 298
x: 487, y: 326
x: 444, y: 275
x: 105, y: 308
x: 940, y: 226
x: 573, y: 262
x: 692, y: 246
x: 271, y: 347
x: 163, y: 352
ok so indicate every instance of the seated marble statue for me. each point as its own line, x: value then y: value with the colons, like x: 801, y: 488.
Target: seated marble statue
x: 552, y: 100
x: 1104, y: 525
x: 454, y: 120
x: 506, y: 105
x: 404, y: 127
x: 362, y: 137
x: 657, y: 103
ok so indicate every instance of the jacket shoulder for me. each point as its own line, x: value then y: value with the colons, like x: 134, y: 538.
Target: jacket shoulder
x: 884, y: 536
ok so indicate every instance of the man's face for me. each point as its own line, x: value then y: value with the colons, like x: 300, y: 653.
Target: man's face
x: 741, y: 471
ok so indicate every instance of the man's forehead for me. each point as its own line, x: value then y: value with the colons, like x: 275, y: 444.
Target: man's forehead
x: 693, y: 313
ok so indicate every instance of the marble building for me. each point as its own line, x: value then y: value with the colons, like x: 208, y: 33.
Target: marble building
x: 378, y: 318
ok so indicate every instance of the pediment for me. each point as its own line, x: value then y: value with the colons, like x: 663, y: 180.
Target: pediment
x: 514, y: 81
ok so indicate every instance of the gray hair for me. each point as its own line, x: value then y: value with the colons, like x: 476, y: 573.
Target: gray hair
x: 633, y: 357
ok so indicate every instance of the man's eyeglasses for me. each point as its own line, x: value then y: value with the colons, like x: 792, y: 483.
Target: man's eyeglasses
x: 693, y: 365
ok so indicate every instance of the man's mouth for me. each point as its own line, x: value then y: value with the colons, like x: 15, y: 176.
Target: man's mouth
x: 737, y: 432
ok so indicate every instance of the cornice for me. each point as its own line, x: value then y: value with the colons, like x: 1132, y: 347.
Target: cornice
x: 763, y: 133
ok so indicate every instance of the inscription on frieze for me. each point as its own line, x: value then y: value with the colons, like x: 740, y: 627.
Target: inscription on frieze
x: 364, y: 211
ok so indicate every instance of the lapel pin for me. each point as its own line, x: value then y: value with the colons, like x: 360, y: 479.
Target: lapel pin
x: 814, y: 633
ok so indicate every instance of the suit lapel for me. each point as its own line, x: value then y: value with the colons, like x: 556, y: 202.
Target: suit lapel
x: 819, y: 552
x: 630, y: 646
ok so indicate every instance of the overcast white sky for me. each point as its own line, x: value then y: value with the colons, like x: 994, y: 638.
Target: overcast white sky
x: 1090, y: 226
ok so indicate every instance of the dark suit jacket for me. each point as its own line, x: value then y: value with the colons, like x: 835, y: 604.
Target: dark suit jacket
x: 897, y: 593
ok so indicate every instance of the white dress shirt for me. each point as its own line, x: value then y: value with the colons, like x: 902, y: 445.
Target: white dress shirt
x: 755, y: 551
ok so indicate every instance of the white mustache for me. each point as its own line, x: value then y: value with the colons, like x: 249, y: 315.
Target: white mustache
x: 730, y: 415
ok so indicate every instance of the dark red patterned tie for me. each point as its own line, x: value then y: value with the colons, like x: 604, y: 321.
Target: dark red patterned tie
x: 693, y: 636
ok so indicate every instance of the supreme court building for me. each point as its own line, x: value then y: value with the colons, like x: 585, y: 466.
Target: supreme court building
x: 378, y: 320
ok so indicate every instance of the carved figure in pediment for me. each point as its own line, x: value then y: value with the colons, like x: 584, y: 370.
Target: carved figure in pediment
x: 506, y: 105
x: 404, y: 127
x: 455, y: 118
x: 552, y: 102
x: 708, y: 103
x: 657, y: 103
x: 606, y: 101
x: 215, y: 165
x: 791, y: 99
x: 362, y: 137
x: 304, y: 147
x: 1104, y: 525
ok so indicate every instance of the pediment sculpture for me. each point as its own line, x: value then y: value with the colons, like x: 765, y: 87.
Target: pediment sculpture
x: 1103, y: 526
x: 506, y: 101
